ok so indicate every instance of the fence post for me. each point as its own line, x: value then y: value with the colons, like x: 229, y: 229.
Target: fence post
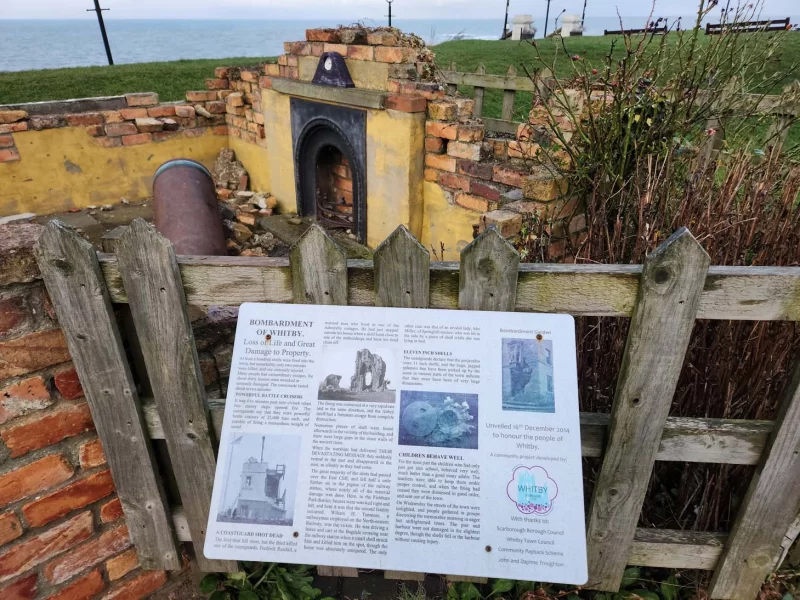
x: 768, y: 510
x: 509, y: 96
x: 479, y: 93
x: 402, y: 280
x: 402, y: 271
x: 155, y: 292
x: 319, y: 269
x: 319, y: 276
x: 452, y: 88
x: 669, y: 294
x: 488, y: 274
x: 75, y: 283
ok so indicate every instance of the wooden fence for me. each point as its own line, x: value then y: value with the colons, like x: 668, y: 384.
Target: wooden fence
x: 749, y: 26
x: 662, y: 298
x: 783, y: 110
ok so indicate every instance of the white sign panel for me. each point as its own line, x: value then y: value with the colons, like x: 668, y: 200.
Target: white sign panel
x: 401, y: 439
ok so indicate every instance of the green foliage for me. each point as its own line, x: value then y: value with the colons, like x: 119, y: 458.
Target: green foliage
x: 262, y: 581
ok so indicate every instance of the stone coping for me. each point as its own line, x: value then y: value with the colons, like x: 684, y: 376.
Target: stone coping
x: 76, y: 105
x: 325, y: 93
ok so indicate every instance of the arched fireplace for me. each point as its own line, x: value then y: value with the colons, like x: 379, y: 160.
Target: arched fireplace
x: 330, y: 164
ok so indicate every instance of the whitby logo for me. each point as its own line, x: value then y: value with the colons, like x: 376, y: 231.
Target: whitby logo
x: 532, y: 490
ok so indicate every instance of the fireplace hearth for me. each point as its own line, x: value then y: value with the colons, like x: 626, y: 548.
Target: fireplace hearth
x: 329, y: 144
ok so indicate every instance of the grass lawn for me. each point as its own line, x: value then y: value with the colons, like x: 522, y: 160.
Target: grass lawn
x: 170, y: 79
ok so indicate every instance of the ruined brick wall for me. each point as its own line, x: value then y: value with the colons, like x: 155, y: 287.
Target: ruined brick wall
x: 62, y: 532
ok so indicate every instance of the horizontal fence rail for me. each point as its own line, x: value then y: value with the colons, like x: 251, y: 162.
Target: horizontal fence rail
x: 667, y: 294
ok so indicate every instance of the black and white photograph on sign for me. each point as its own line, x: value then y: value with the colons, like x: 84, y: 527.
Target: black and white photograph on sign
x: 261, y: 479
x: 528, y: 375
x: 438, y: 419
x: 357, y: 374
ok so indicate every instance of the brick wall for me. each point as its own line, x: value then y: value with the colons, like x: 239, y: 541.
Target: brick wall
x: 62, y: 532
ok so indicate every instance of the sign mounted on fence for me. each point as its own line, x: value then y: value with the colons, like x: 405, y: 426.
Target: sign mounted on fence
x: 402, y: 439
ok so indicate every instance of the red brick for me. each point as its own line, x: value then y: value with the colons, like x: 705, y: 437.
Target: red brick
x: 24, y: 589
x: 120, y: 129
x: 216, y: 84
x: 121, y: 565
x: 485, y: 190
x: 142, y: 99
x: 6, y: 141
x: 12, y: 116
x: 108, y: 142
x: 10, y: 527
x: 200, y: 96
x: 526, y: 150
x: 443, y: 110
x: 68, y: 384
x: 382, y: 38
x: 15, y: 313
x: 332, y: 47
x: 95, y: 130
x: 161, y: 111
x: 85, y: 119
x: 139, y: 587
x: 185, y: 111
x: 217, y: 107
x: 480, y: 170
x: 72, y: 497
x: 470, y: 133
x: 23, y: 397
x: 441, y: 162
x: 221, y: 130
x: 137, y: 140
x: 222, y: 72
x: 14, y: 127
x: 85, y: 587
x: 18, y: 264
x: 91, y: 454
x: 9, y: 155
x: 89, y: 554
x: 434, y: 145
x: 194, y: 132
x: 297, y: 48
x: 431, y: 175
x: 388, y: 54
x: 38, y: 549
x: 32, y: 352
x: 163, y: 136
x: 130, y: 114
x: 472, y: 202
x: 112, y: 116
x: 111, y: 511
x: 34, y: 477
x: 452, y: 180
x: 510, y: 176
x: 448, y: 131
x: 360, y: 52
x: 65, y: 421
x: 322, y: 35
x: 409, y: 104
x: 470, y: 151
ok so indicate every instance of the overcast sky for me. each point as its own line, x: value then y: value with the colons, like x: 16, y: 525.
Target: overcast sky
x: 348, y: 10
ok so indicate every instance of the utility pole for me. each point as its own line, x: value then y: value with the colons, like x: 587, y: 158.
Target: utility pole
x: 389, y: 2
x: 99, y: 12
x: 505, y: 23
x: 583, y: 16
x: 547, y: 18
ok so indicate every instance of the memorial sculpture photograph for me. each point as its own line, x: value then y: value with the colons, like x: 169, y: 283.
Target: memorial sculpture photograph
x: 367, y: 380
x: 438, y: 419
x: 528, y: 375
x: 261, y: 490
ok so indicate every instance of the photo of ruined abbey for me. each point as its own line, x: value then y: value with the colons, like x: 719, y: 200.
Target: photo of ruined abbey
x: 358, y: 375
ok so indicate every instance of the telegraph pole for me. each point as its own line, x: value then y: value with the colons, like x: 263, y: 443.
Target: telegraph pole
x: 389, y: 2
x: 505, y: 23
x: 547, y: 18
x: 99, y: 12
x: 583, y: 16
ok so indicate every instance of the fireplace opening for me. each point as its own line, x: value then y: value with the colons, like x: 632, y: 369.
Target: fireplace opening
x: 330, y: 165
x: 334, y: 193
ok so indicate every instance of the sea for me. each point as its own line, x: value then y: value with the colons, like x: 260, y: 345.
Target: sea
x: 48, y: 44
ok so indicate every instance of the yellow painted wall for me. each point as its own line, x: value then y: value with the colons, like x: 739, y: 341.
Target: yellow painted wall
x: 395, y: 144
x: 366, y: 74
x: 280, y: 157
x: 445, y: 222
x: 256, y: 160
x: 65, y: 168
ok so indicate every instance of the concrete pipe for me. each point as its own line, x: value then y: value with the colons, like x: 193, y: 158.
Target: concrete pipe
x: 185, y: 208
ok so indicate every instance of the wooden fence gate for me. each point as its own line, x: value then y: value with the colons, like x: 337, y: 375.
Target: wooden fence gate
x: 662, y: 298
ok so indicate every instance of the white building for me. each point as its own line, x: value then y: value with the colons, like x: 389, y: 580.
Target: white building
x: 262, y: 492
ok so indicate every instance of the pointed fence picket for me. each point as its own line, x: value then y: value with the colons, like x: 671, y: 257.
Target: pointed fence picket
x: 663, y: 298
